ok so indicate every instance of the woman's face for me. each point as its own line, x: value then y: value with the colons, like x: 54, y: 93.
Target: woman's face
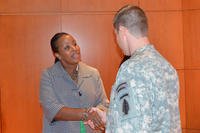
x: 68, y: 50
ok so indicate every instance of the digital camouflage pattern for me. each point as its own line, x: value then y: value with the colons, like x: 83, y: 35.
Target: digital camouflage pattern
x: 144, y: 98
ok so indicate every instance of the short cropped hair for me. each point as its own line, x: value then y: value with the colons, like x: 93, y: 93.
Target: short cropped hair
x: 133, y: 18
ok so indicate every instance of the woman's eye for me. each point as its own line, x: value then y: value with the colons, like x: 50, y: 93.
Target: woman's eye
x: 66, y: 47
x: 74, y: 44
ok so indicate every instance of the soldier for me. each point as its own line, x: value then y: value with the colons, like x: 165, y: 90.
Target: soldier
x: 144, y: 97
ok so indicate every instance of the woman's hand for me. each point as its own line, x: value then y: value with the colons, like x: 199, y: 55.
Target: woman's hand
x: 96, y: 119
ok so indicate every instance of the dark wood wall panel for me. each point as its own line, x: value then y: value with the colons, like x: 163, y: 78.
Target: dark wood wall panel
x: 192, y: 98
x: 182, y: 98
x: 0, y: 111
x: 95, y: 5
x: 191, y: 131
x: 191, y: 38
x: 25, y: 51
x: 165, y: 32
x: 190, y: 4
x: 161, y: 5
x: 22, y: 6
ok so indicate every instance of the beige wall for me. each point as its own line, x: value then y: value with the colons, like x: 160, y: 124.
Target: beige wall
x: 26, y: 27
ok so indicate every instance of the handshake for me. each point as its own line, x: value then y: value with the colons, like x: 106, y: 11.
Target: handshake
x: 96, y: 118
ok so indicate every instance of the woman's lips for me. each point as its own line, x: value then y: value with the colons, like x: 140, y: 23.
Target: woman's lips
x: 75, y: 55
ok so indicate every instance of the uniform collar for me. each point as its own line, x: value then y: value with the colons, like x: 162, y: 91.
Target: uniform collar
x: 141, y: 50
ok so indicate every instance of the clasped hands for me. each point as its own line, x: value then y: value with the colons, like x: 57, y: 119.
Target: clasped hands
x: 96, y: 119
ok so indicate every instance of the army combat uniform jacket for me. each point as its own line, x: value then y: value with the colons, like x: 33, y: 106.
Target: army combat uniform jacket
x: 144, y: 97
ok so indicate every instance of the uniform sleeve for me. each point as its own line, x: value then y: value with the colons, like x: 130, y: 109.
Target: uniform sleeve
x: 48, y: 100
x: 142, y: 97
x: 102, y: 101
x: 144, y: 105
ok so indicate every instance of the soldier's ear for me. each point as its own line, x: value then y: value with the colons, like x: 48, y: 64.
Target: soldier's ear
x: 123, y: 30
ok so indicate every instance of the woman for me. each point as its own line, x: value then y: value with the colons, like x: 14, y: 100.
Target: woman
x: 69, y: 89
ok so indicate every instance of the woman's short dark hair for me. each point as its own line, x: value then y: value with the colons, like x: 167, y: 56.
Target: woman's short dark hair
x: 53, y: 43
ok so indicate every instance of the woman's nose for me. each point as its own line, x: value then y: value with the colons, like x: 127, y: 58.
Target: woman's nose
x: 73, y: 47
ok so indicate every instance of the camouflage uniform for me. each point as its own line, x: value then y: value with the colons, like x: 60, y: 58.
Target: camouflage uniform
x: 144, y: 98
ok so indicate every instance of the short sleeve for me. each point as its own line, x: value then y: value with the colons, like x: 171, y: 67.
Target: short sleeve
x: 48, y: 99
x: 102, y: 101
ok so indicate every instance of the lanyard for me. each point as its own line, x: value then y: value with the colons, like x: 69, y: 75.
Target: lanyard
x: 82, y: 127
